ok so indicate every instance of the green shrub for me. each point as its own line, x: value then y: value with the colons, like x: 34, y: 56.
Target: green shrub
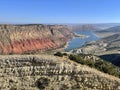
x: 100, y: 64
x: 41, y: 83
x: 58, y: 54
x: 77, y: 59
x: 65, y: 54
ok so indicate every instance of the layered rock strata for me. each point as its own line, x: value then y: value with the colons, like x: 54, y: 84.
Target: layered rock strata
x: 20, y: 39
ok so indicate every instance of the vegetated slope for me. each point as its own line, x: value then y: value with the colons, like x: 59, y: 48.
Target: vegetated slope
x: 20, y: 39
x: 113, y: 58
x: 93, y: 62
x: 107, y: 45
x: 51, y: 73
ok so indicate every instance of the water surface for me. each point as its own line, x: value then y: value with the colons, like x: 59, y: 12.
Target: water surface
x: 79, y: 42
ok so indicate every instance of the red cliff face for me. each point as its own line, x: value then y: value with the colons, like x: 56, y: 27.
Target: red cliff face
x: 21, y: 39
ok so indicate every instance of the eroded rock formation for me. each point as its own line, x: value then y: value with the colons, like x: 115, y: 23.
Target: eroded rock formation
x: 45, y: 72
x: 20, y: 39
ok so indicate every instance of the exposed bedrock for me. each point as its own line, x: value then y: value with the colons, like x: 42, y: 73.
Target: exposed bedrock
x: 20, y: 39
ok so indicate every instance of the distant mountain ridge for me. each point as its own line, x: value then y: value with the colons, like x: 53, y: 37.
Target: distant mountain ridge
x: 93, y: 27
x: 112, y: 29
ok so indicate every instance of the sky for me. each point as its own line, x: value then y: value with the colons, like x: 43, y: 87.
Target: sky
x: 59, y: 11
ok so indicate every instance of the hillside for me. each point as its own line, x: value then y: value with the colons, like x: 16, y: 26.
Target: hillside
x: 45, y: 72
x: 20, y: 39
x: 111, y: 29
x: 113, y: 58
x: 96, y: 62
x: 108, y: 32
x: 107, y: 45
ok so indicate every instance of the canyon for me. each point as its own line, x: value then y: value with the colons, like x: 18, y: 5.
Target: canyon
x: 20, y: 39
x: 21, y: 71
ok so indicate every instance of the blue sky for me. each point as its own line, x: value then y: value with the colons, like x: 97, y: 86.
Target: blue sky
x: 59, y: 11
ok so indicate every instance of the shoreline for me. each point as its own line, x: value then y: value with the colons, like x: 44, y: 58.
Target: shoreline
x: 74, y: 36
x: 80, y: 35
x: 62, y: 49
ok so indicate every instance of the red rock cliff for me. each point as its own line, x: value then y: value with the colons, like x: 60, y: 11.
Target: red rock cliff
x: 20, y: 39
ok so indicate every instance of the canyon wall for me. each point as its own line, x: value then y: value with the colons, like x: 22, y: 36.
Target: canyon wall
x: 19, y: 39
x: 46, y: 72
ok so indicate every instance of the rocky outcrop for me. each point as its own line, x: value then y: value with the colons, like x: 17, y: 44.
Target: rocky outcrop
x: 47, y: 72
x: 20, y: 39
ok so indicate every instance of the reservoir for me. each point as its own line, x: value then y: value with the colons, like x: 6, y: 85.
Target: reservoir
x: 77, y: 42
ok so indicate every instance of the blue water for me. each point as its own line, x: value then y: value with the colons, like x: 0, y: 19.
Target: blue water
x: 79, y: 42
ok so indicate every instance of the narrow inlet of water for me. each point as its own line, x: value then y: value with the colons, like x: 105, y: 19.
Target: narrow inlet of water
x: 79, y: 42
